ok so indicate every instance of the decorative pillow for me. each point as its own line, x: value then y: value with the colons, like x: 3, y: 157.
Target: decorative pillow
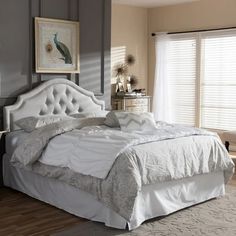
x: 134, y: 121
x: 111, y: 119
x: 101, y: 113
x: 31, y: 123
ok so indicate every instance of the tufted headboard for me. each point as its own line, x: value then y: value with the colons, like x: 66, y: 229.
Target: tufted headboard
x: 54, y: 97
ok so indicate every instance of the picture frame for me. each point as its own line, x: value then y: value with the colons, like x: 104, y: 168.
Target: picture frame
x: 56, y: 46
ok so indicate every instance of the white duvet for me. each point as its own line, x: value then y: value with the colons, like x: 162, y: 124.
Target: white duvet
x: 93, y: 150
x: 90, y: 151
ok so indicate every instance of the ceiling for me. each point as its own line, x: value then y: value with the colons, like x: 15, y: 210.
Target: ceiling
x: 151, y: 3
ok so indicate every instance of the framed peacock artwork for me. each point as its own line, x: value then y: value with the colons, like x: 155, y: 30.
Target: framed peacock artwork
x: 56, y: 46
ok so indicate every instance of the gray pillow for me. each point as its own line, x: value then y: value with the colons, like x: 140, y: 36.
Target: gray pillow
x: 111, y: 120
x: 31, y: 123
x: 134, y: 121
x: 100, y: 113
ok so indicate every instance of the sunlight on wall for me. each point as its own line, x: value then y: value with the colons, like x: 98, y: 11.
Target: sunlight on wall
x: 117, y: 57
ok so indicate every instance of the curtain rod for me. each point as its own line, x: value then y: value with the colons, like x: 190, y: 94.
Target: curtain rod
x: 195, y: 31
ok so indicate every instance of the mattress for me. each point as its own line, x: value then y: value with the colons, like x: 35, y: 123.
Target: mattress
x: 13, y: 139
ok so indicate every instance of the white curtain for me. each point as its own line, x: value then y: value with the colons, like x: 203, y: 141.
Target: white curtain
x: 161, y: 93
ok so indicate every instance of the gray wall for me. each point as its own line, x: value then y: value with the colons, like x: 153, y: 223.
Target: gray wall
x: 17, y: 45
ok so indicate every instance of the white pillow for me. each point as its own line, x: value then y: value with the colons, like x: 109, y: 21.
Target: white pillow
x: 31, y: 123
x: 101, y: 113
x: 135, y: 121
x: 111, y: 119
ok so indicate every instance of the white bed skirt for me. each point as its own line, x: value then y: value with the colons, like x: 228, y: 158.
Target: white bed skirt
x: 154, y: 200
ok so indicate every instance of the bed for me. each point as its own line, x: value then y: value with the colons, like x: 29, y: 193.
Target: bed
x: 63, y: 97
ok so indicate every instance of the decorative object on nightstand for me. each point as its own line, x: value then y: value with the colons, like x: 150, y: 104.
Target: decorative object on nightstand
x: 128, y: 98
x: 121, y: 72
x: 123, y: 80
x: 131, y: 103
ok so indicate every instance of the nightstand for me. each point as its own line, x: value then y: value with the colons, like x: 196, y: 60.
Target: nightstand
x: 2, y: 151
x: 131, y: 103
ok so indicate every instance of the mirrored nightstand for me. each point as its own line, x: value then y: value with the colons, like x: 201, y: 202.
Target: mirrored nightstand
x: 131, y: 103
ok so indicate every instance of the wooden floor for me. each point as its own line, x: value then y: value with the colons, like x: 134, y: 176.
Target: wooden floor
x: 21, y: 215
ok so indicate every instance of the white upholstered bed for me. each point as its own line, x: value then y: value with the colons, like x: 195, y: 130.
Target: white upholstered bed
x: 62, y: 97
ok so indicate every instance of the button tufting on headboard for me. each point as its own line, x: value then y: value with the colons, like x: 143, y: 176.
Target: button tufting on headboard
x: 61, y: 102
x: 67, y: 92
x: 56, y: 111
x: 48, y: 102
x: 73, y: 101
x: 54, y: 93
x: 41, y: 113
x: 68, y: 111
x: 53, y: 97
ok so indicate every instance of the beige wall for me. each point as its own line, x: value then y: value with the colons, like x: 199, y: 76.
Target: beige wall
x: 203, y: 14
x: 129, y: 35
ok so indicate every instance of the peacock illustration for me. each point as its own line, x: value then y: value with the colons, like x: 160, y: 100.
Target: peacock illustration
x: 63, y: 49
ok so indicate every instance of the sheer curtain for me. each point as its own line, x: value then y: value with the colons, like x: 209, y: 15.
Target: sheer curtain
x: 161, y: 106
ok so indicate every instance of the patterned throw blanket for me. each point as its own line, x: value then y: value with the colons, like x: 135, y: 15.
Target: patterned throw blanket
x: 142, y: 159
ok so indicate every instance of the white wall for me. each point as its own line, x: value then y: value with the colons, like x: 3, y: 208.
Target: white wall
x: 129, y: 36
x: 132, y: 28
x: 203, y: 14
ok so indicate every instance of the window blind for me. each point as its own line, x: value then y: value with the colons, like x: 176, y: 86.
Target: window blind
x: 218, y: 81
x: 202, y: 79
x: 182, y: 79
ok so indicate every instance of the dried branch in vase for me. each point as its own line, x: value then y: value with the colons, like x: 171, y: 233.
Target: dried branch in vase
x: 133, y: 81
x: 120, y: 70
x: 130, y: 60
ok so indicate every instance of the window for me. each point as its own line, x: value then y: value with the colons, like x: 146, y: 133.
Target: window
x: 218, y: 87
x: 202, y: 76
x: 182, y: 78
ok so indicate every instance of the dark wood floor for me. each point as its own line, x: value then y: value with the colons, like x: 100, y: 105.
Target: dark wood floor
x: 21, y: 215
